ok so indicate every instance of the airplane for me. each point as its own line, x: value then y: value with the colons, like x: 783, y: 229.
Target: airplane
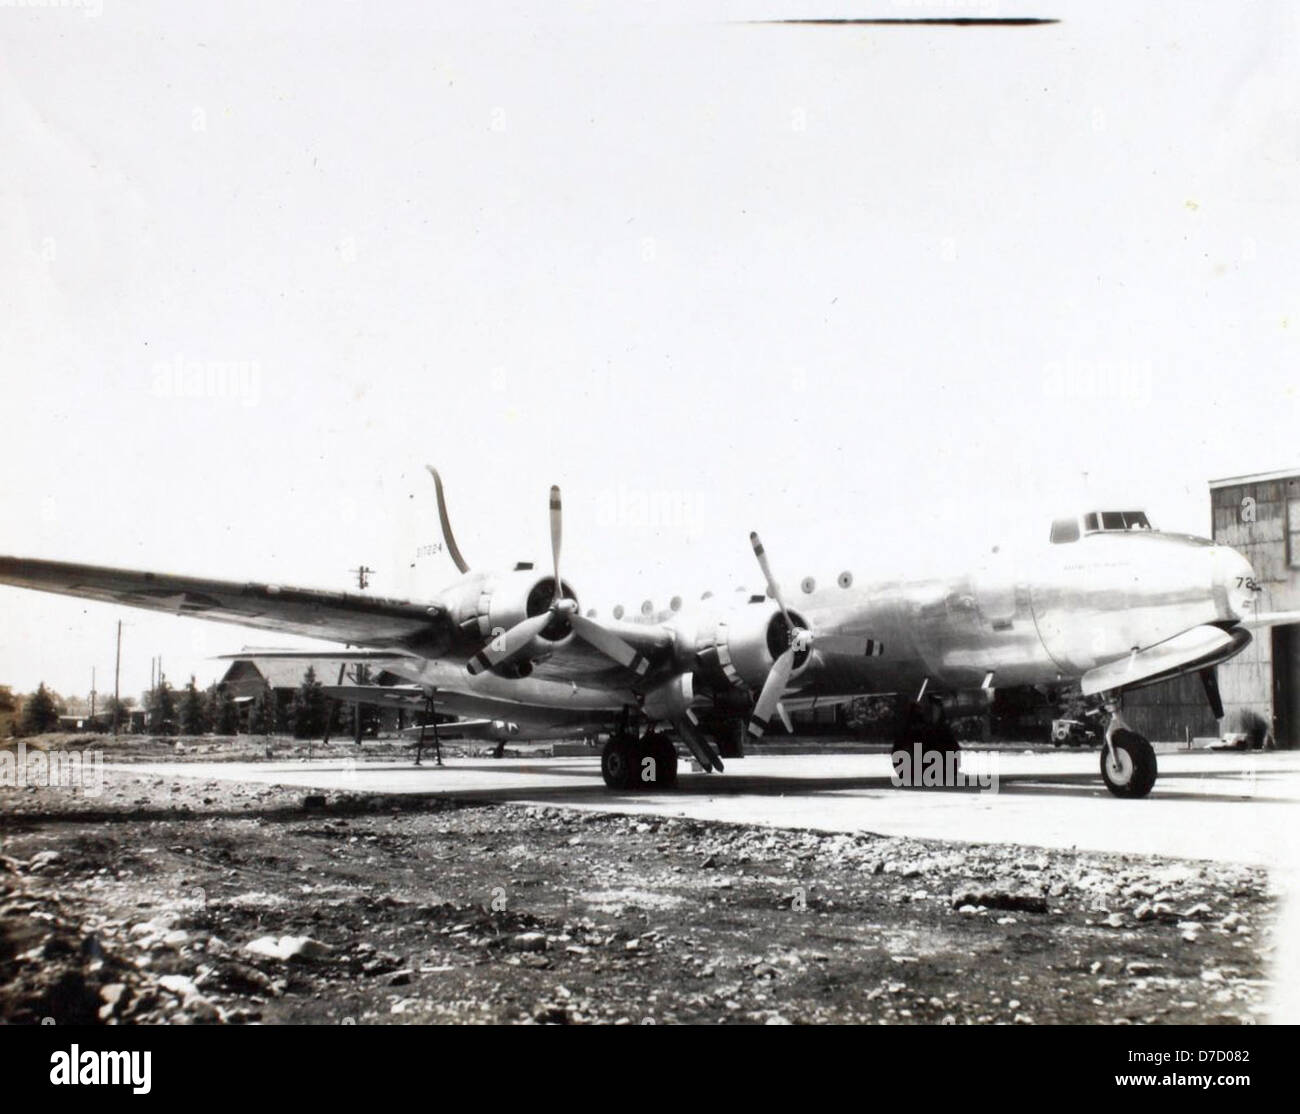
x: 1106, y: 603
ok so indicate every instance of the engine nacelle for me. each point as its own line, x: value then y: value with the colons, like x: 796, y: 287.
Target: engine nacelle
x: 738, y: 645
x: 483, y: 604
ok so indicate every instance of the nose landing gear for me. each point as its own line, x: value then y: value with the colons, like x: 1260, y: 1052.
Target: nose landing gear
x: 1128, y: 760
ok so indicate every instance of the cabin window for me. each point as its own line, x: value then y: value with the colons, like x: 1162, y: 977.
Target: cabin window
x: 1065, y: 530
x: 1112, y: 520
x: 1136, y: 520
x: 1090, y: 523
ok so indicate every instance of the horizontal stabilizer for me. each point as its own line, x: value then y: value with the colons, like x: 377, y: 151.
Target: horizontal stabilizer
x: 386, y: 696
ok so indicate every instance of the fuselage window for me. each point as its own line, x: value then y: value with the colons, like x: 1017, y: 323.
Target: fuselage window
x: 1065, y: 530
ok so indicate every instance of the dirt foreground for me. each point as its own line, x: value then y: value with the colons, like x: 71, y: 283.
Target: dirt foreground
x: 216, y: 902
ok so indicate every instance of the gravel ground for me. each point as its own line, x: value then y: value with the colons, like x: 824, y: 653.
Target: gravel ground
x: 215, y: 902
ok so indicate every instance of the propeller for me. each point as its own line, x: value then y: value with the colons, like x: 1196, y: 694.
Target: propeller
x: 801, y: 640
x: 507, y: 645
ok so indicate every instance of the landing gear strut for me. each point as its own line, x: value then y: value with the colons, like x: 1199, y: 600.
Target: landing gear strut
x: 1128, y: 760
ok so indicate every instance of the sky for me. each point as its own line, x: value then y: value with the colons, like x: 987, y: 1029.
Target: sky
x: 884, y: 294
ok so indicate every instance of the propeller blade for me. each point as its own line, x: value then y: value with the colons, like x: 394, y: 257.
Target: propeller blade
x: 688, y: 727
x: 507, y: 645
x: 557, y: 524
x: 785, y: 719
x: 452, y: 548
x: 1210, y: 679
x: 773, y: 588
x: 609, y: 644
x: 773, y: 689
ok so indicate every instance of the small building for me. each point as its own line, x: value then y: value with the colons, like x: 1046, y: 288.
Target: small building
x: 248, y: 678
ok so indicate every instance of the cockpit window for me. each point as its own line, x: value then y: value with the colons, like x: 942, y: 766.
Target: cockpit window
x: 1115, y: 520
x: 1065, y: 530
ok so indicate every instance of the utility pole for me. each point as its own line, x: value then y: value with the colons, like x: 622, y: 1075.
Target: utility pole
x: 117, y: 677
x: 92, y: 694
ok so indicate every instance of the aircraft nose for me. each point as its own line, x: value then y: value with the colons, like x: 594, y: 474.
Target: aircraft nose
x: 1235, y: 588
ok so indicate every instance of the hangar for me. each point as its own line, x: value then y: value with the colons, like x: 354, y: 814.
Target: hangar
x: 1259, y: 516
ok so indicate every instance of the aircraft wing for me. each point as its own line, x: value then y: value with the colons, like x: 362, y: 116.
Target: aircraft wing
x: 383, y: 696
x: 1265, y: 619
x: 333, y: 616
x: 1198, y: 648
x: 466, y: 729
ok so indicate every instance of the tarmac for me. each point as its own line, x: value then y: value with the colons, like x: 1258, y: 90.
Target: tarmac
x: 1225, y: 806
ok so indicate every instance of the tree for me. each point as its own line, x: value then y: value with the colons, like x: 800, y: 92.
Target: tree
x: 225, y: 712
x: 8, y: 710
x: 119, y: 710
x: 308, y: 711
x: 194, y: 715
x: 261, y: 720
x: 162, y: 709
x: 40, y: 713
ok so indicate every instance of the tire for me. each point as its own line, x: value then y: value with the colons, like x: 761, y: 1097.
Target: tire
x: 1134, y: 771
x: 934, y: 739
x: 618, y: 763
x: 661, y: 749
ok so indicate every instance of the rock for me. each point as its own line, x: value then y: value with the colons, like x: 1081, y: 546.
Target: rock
x: 401, y: 978
x: 1010, y: 901
x: 529, y: 942
x: 43, y: 859
x: 288, y: 947
x: 199, y: 1009
x: 180, y: 985
x: 112, y: 994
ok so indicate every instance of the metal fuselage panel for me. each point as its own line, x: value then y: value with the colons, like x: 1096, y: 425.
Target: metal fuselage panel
x: 1040, y: 619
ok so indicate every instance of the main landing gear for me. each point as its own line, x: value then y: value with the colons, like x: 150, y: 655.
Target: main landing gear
x: 926, y: 753
x: 630, y: 762
x: 1128, y: 760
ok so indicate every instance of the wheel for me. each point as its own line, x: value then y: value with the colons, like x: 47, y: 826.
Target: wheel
x: 1130, y: 769
x: 618, y: 765
x: 659, y: 747
x: 934, y: 739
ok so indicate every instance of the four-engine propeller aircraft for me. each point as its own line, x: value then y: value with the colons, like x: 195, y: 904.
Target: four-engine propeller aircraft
x: 1108, y: 604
